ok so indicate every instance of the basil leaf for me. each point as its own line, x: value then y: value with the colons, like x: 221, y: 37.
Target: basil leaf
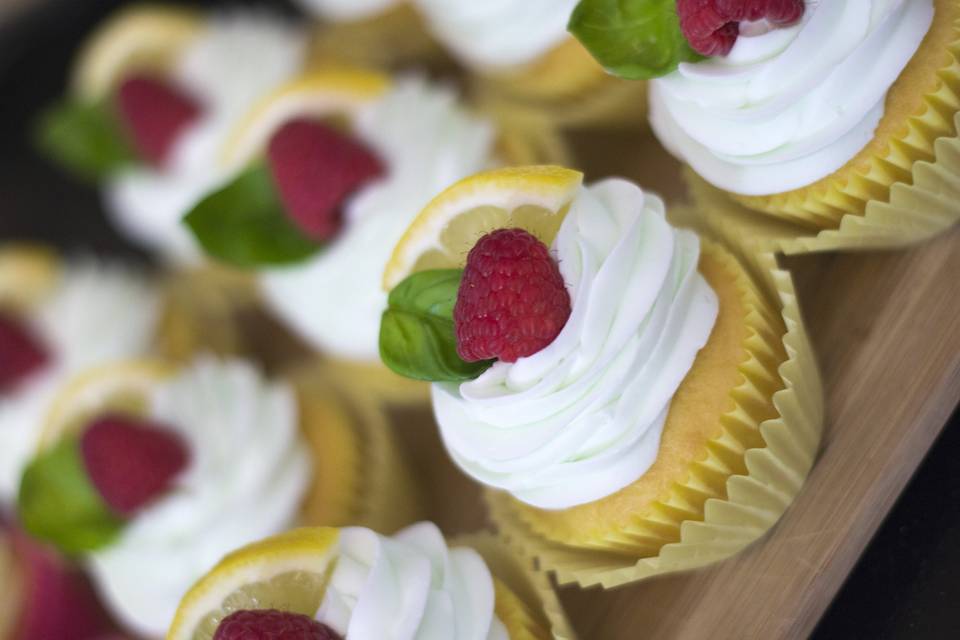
x: 244, y: 224
x: 417, y: 337
x: 85, y: 138
x: 59, y: 504
x: 634, y: 39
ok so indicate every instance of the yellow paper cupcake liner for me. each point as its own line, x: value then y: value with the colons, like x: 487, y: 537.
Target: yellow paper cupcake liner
x: 396, y: 38
x: 569, y: 88
x: 362, y: 477
x: 377, y: 382
x: 10, y: 587
x: 740, y: 506
x: 904, y: 186
x: 201, y: 309
x: 534, y: 605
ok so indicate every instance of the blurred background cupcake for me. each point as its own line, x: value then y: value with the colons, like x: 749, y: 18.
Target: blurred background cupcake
x: 334, y: 167
x: 150, y: 474
x: 343, y: 590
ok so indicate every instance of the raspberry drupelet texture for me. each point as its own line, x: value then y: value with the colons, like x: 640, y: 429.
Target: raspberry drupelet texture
x: 316, y: 168
x: 131, y: 462
x: 512, y: 301
x: 21, y: 353
x: 154, y: 113
x: 712, y: 26
x: 270, y: 624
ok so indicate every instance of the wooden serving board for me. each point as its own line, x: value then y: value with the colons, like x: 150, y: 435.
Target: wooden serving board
x: 886, y: 329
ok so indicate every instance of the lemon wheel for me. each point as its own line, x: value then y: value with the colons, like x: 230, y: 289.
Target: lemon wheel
x: 533, y: 198
x: 288, y: 572
x: 142, y: 37
x: 117, y: 388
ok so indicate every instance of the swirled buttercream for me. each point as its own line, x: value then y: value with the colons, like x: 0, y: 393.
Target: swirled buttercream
x: 789, y: 106
x: 498, y: 33
x: 238, y: 58
x: 409, y: 587
x: 582, y: 418
x: 427, y: 141
x: 248, y: 473
x: 96, y: 314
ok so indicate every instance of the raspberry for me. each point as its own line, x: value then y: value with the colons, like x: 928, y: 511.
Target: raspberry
x: 270, y: 624
x: 512, y: 301
x: 21, y: 353
x: 130, y: 461
x: 155, y: 113
x: 712, y: 26
x: 58, y: 600
x: 316, y: 168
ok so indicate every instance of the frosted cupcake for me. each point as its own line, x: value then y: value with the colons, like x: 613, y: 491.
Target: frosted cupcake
x: 337, y: 165
x: 833, y: 109
x: 57, y: 320
x: 162, y: 470
x: 155, y: 91
x: 354, y: 583
x: 524, y: 56
x: 605, y: 388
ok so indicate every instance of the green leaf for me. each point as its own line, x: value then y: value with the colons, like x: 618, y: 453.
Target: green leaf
x: 417, y: 337
x: 85, y: 138
x: 59, y: 504
x: 634, y: 39
x: 244, y: 224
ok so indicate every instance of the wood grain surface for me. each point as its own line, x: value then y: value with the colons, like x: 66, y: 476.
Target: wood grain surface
x: 886, y: 328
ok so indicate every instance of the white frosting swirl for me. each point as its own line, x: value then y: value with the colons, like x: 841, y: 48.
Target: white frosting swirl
x: 498, y: 33
x: 789, y: 106
x: 97, y: 313
x: 344, y: 10
x: 248, y: 473
x: 409, y: 587
x: 427, y: 141
x: 239, y: 58
x: 582, y: 418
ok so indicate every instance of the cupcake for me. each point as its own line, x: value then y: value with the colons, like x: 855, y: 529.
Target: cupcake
x: 838, y: 117
x: 607, y: 389
x: 355, y: 583
x: 149, y: 475
x: 378, y: 33
x: 155, y: 91
x: 523, y: 56
x: 337, y: 164
x: 57, y: 319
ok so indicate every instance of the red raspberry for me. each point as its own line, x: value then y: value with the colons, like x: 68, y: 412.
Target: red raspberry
x: 21, y: 353
x: 712, y: 26
x: 58, y: 600
x: 155, y: 113
x: 270, y: 624
x: 779, y: 12
x: 512, y: 301
x: 316, y: 168
x: 130, y: 461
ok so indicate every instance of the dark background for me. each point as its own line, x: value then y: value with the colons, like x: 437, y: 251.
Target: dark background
x: 906, y: 585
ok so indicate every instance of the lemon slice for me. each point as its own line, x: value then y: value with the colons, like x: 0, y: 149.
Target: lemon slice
x: 27, y: 274
x: 533, y: 198
x: 117, y: 388
x: 142, y: 37
x: 322, y: 93
x: 288, y: 572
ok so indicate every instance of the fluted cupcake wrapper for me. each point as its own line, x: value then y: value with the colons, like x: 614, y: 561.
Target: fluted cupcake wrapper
x: 361, y: 477
x: 904, y: 193
x: 539, y: 605
x: 747, y: 483
x: 11, y: 586
x: 568, y: 88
